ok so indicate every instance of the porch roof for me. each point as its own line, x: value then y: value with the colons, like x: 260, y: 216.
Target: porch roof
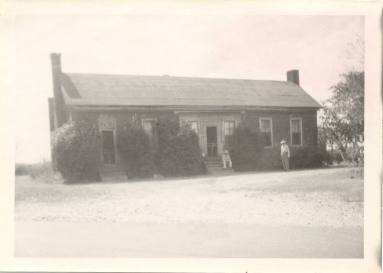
x: 135, y: 90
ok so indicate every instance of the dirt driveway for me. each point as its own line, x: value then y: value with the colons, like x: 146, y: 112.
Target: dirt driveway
x: 311, y: 213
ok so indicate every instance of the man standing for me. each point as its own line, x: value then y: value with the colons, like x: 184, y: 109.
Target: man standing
x: 285, y: 154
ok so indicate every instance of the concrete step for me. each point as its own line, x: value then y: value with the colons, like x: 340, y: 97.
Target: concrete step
x: 217, y: 160
x: 217, y: 168
x: 214, y: 165
x: 113, y: 173
x: 207, y: 159
x: 220, y: 171
x: 217, y: 163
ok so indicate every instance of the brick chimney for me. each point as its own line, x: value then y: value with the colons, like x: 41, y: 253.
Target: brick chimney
x: 293, y: 76
x: 59, y: 105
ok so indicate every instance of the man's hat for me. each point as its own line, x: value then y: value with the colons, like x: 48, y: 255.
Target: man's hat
x: 283, y: 141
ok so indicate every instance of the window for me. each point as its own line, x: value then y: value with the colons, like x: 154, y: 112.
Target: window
x: 228, y: 131
x: 108, y: 154
x: 266, y: 128
x: 228, y: 127
x: 296, y: 131
x: 148, y: 126
x: 193, y: 125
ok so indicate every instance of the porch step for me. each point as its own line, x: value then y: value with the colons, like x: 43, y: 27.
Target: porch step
x: 214, y: 166
x: 219, y: 170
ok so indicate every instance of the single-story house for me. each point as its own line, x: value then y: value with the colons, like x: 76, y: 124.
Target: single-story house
x: 212, y: 107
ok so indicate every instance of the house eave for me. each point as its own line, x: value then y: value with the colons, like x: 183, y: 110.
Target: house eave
x: 188, y: 108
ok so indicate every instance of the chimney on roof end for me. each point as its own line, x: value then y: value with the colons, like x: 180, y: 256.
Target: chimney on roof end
x: 293, y: 76
x: 58, y: 98
x: 56, y: 61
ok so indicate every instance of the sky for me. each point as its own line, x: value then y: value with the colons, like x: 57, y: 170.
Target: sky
x: 203, y: 45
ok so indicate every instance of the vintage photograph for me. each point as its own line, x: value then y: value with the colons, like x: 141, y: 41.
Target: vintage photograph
x: 189, y: 135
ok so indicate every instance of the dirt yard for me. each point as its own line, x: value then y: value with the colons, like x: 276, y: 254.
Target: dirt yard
x: 311, y: 213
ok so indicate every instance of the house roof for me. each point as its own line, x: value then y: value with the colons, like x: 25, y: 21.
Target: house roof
x: 134, y: 90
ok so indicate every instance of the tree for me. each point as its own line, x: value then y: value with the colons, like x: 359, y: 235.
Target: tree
x: 343, y: 115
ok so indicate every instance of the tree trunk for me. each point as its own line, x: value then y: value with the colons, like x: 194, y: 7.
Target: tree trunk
x: 356, y: 151
x: 342, y: 151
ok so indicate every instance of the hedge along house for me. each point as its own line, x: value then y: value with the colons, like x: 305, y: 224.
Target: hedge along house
x: 212, y: 107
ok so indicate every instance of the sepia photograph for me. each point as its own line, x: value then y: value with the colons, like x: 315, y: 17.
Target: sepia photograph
x: 188, y: 135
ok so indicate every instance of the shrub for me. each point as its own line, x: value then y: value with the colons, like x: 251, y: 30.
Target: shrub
x: 178, y: 152
x: 44, y: 172
x: 136, y: 152
x: 307, y: 157
x: 270, y: 159
x: 354, y: 154
x: 333, y: 156
x: 361, y: 156
x: 21, y: 169
x: 189, y: 159
x: 38, y: 170
x: 166, y: 160
x: 76, y: 151
x: 228, y: 144
x: 246, y: 148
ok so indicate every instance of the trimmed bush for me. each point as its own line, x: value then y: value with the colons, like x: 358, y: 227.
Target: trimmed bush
x: 228, y: 144
x: 307, y: 157
x: 135, y: 149
x: 189, y: 158
x: 166, y: 159
x: 246, y: 149
x: 270, y: 159
x: 21, y: 169
x: 76, y: 151
x: 178, y: 152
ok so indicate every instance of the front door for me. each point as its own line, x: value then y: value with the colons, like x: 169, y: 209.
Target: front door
x: 211, y: 137
x: 108, y: 155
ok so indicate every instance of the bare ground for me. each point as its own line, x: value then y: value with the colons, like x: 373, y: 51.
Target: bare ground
x: 311, y: 213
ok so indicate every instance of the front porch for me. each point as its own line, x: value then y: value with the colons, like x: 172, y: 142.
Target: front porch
x: 213, y: 129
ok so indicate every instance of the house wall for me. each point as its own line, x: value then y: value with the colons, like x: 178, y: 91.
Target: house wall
x: 281, y: 125
x: 281, y: 130
x: 270, y: 155
x: 120, y: 119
